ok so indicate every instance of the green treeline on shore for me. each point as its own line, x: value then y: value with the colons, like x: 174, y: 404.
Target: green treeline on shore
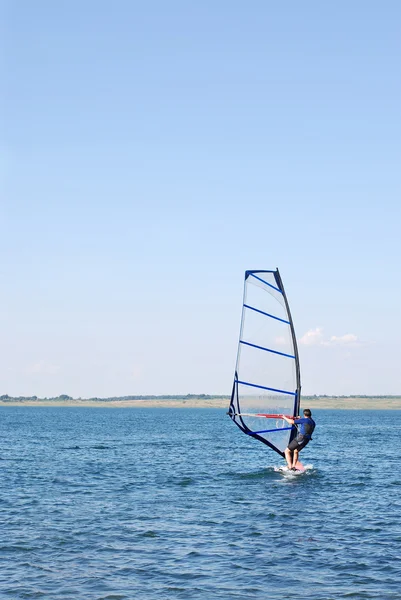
x: 67, y: 398
x: 318, y: 396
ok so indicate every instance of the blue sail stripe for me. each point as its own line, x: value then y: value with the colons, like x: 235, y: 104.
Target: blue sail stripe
x: 269, y: 430
x: 267, y: 314
x: 266, y: 283
x: 250, y: 272
x: 262, y: 387
x: 266, y: 349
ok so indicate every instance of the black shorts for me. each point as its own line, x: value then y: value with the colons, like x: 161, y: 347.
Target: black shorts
x: 298, y: 445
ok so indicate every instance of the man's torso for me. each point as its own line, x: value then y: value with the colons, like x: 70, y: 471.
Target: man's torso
x: 305, y: 428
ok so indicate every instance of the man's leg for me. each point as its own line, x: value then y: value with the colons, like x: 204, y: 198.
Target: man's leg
x: 294, y: 459
x: 288, y: 457
x: 298, y: 465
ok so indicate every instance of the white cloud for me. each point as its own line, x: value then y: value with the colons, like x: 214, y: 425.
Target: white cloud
x: 342, y: 340
x: 313, y: 337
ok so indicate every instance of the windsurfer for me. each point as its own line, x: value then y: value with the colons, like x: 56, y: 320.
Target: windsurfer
x: 305, y: 426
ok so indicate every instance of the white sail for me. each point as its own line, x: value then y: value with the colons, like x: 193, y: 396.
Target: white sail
x: 267, y: 377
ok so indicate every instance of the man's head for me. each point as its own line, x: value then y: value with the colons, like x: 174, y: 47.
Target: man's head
x: 307, y: 413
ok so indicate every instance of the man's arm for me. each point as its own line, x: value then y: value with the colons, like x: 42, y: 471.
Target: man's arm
x: 289, y: 421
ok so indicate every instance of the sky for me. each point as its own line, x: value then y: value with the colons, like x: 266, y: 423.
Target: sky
x: 153, y: 151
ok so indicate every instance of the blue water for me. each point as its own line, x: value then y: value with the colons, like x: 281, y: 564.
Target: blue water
x: 179, y: 504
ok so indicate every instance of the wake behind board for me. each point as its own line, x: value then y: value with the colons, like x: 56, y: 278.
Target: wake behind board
x: 288, y: 474
x: 284, y: 469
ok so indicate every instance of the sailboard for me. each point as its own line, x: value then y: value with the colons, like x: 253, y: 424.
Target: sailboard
x: 267, y: 381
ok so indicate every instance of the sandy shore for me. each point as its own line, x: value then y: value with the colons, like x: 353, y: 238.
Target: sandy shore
x: 389, y: 403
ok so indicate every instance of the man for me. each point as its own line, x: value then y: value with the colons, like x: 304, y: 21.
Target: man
x: 305, y: 427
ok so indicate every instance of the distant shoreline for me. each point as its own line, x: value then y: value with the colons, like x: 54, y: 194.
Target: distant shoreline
x: 338, y: 403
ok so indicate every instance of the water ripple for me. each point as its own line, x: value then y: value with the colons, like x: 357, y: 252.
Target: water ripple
x: 177, y: 504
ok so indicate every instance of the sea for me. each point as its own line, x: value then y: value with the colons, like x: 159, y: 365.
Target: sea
x: 169, y: 504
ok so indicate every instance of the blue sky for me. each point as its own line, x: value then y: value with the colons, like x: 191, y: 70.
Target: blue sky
x: 155, y: 150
